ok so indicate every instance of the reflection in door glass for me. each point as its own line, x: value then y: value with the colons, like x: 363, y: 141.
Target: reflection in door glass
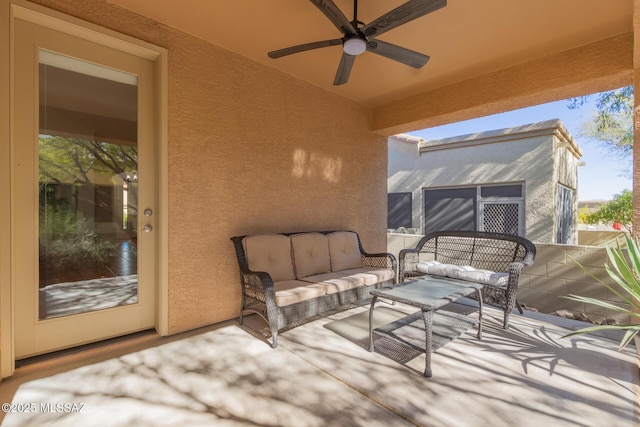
x: 88, y: 179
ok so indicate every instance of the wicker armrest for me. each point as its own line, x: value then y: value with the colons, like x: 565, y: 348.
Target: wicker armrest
x: 259, y: 296
x: 405, y: 266
x: 514, y: 275
x: 403, y: 252
x: 258, y: 285
x: 517, y: 266
x: 381, y: 260
x: 388, y: 257
x: 263, y: 277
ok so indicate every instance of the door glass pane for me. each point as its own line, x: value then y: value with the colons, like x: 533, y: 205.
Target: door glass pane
x: 88, y: 179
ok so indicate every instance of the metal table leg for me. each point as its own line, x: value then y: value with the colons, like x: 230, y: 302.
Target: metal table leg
x: 373, y: 303
x: 427, y: 317
x: 479, y: 292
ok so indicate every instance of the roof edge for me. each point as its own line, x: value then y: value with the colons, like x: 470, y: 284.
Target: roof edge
x: 552, y: 127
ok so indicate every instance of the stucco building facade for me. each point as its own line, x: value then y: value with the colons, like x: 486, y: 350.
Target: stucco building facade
x: 522, y: 180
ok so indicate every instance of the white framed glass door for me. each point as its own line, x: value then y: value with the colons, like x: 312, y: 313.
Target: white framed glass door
x: 84, y: 191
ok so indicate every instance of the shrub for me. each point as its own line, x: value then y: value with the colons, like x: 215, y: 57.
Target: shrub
x: 625, y: 272
x: 66, y: 241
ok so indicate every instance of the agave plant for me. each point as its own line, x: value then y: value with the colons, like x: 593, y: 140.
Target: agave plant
x: 624, y: 271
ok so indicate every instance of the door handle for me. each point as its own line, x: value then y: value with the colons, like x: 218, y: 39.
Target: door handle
x: 147, y: 227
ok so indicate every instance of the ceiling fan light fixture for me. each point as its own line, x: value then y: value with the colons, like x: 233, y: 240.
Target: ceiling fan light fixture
x: 354, y: 46
x: 358, y: 37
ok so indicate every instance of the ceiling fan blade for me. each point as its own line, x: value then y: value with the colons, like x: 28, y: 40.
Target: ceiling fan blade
x: 335, y: 15
x: 408, y: 57
x: 303, y: 47
x: 344, y: 69
x: 401, y: 15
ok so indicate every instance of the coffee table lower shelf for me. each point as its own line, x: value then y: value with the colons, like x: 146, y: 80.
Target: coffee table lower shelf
x: 409, y: 331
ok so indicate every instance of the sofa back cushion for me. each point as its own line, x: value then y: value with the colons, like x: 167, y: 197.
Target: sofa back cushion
x: 310, y: 254
x: 344, y: 250
x: 270, y: 253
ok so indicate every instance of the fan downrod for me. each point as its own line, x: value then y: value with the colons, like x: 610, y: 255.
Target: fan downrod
x: 355, y: 44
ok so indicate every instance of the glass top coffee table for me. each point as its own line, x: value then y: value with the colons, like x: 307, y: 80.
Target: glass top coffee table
x: 426, y: 330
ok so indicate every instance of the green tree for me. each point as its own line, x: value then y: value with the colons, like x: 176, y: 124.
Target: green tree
x: 613, y: 121
x: 77, y: 160
x: 71, y: 173
x: 74, y: 161
x: 620, y: 210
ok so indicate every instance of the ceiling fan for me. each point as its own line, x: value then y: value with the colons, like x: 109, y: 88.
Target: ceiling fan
x: 358, y: 37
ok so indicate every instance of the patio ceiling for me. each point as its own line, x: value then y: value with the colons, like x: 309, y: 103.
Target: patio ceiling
x: 466, y: 39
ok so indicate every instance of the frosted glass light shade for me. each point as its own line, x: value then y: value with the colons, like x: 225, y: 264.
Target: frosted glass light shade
x: 354, y: 46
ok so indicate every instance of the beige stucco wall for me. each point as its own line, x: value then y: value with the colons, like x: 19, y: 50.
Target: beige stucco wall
x: 603, y: 65
x: 251, y: 150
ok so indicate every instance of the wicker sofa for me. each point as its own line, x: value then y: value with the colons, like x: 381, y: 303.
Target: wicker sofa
x: 493, y: 259
x: 288, y: 278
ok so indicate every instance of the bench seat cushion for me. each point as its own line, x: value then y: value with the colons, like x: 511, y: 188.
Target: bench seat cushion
x: 293, y: 291
x: 464, y: 272
x: 486, y: 277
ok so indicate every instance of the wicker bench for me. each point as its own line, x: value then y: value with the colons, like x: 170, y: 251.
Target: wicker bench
x: 289, y: 278
x: 493, y: 259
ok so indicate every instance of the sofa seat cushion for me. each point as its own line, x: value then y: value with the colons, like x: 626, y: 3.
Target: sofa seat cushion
x: 335, y: 282
x: 370, y: 275
x: 310, y: 254
x: 344, y: 250
x: 270, y: 253
x: 293, y: 291
x: 464, y: 272
x: 349, y: 279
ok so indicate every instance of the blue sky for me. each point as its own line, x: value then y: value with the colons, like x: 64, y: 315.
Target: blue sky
x: 603, y: 175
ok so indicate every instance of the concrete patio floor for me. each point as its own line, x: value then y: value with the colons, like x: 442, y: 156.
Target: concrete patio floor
x: 322, y: 375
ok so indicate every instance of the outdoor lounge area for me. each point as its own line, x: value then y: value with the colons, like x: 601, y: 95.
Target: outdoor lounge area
x: 322, y: 374
x: 170, y: 127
